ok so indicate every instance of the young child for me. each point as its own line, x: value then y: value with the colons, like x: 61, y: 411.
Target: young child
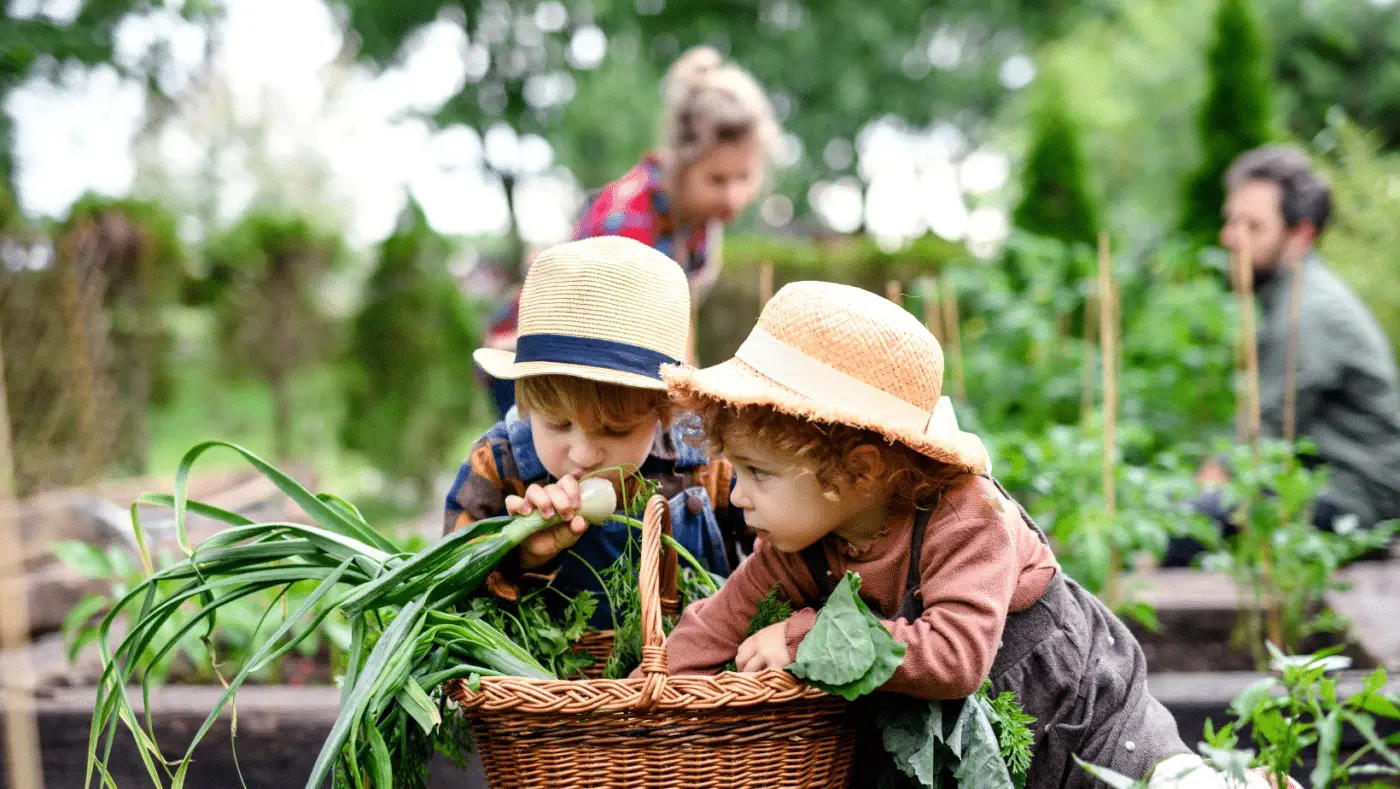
x: 846, y: 457
x: 597, y: 320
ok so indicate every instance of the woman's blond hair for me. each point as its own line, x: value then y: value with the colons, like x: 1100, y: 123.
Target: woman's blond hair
x: 708, y: 102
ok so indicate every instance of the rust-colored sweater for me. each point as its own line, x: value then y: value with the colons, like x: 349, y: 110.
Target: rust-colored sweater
x: 979, y: 562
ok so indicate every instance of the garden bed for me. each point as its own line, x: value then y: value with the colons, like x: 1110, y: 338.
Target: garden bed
x: 280, y: 732
x: 1202, y: 641
x: 1197, y: 672
x: 1198, y: 611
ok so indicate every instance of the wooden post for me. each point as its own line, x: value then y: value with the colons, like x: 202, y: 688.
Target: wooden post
x: 1251, y: 344
x: 1086, y: 387
x: 21, y: 728
x: 765, y: 284
x: 894, y: 292
x: 1251, y: 432
x: 933, y: 316
x: 1108, y: 330
x: 953, y: 332
x: 1290, y: 359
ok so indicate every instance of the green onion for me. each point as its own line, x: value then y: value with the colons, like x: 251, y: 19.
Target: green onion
x: 391, y: 670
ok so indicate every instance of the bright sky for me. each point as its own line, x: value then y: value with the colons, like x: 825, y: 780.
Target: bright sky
x: 337, y: 139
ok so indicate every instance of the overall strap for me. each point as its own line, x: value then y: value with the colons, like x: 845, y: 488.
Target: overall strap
x: 522, y: 448
x: 685, y: 437
x: 814, y: 556
x: 911, y: 607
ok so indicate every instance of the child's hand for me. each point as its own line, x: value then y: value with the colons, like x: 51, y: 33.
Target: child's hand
x: 561, y: 499
x: 765, y: 649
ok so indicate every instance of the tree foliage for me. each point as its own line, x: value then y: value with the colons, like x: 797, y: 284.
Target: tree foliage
x: 409, y: 389
x: 1055, y: 200
x: 271, y: 324
x: 1236, y: 114
x: 1363, y: 233
x: 35, y: 45
x: 141, y: 265
x: 1337, y: 53
x: 830, y: 67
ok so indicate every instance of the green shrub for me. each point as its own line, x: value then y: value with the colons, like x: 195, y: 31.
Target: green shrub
x: 1056, y: 201
x: 1236, y: 115
x: 410, y: 388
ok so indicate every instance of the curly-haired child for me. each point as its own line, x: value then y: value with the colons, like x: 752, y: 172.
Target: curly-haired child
x: 847, y: 458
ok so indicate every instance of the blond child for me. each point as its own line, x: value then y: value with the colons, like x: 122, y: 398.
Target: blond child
x: 598, y: 318
x: 847, y: 458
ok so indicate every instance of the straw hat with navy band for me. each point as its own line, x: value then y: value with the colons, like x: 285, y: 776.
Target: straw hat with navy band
x: 608, y: 309
x: 834, y: 353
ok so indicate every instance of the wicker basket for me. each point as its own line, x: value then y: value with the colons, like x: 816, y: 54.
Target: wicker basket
x: 729, y: 730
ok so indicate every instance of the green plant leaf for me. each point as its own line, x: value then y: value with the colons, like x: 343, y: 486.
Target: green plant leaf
x: 1271, y: 724
x: 912, y: 730
x: 1377, y: 704
x: 1233, y: 762
x: 89, y: 561
x: 839, y: 648
x: 1375, y: 681
x: 1367, y: 727
x: 1252, y: 698
x: 980, y: 766
x: 417, y: 704
x: 1329, y: 731
x: 78, y: 630
x: 380, y: 761
x: 1114, y: 779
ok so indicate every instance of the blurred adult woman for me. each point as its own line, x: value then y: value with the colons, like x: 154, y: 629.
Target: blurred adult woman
x: 717, y: 129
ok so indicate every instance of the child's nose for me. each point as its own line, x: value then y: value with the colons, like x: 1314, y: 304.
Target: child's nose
x: 739, y: 497
x: 585, y: 454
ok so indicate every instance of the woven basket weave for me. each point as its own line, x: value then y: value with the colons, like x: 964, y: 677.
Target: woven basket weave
x: 599, y: 644
x: 730, y: 730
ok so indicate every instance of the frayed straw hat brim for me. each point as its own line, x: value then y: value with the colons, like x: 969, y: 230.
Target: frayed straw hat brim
x: 737, y: 384
x: 501, y: 364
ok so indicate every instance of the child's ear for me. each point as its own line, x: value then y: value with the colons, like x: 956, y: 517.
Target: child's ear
x: 867, y: 465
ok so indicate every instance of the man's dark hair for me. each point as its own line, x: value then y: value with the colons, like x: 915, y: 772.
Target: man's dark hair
x: 1306, y: 197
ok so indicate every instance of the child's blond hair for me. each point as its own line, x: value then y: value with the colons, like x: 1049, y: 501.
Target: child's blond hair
x: 593, y: 405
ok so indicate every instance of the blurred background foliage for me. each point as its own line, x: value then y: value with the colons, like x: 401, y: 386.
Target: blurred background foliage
x: 134, y: 325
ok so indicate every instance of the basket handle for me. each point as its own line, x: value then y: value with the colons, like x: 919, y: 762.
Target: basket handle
x: 656, y: 519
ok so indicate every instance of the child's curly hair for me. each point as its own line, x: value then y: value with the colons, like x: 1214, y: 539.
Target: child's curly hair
x: 914, y: 481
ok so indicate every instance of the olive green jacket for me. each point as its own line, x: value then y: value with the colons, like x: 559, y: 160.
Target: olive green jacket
x: 1348, y: 400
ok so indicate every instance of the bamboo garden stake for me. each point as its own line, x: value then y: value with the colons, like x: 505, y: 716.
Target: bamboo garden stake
x: 933, y: 316
x: 1108, y: 329
x: 1251, y: 430
x: 953, y: 332
x: 1086, y: 389
x: 894, y: 292
x: 1251, y: 343
x: 1290, y: 359
x: 21, y: 729
x: 765, y: 284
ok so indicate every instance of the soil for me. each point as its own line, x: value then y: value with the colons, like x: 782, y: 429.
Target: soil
x: 1200, y: 640
x: 295, y: 669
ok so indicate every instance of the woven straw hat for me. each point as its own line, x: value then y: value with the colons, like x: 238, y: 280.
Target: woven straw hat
x: 834, y: 353
x: 608, y: 309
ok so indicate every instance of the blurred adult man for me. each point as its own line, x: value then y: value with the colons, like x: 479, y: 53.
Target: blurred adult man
x: 1348, y: 401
